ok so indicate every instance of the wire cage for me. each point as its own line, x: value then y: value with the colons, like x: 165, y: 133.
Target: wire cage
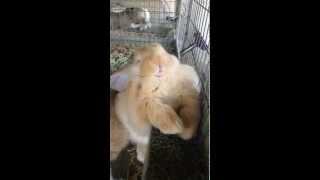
x: 162, y: 13
x: 183, y: 28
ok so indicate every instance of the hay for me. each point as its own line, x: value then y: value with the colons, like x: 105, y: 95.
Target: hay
x: 120, y: 56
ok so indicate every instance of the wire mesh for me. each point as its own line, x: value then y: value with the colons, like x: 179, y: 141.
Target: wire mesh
x: 161, y: 14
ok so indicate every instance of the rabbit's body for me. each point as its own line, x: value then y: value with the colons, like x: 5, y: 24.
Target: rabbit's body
x: 181, y: 92
x: 124, y: 130
x: 131, y: 18
x: 139, y: 131
x: 158, y: 91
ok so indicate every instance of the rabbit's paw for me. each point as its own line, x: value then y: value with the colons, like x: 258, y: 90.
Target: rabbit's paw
x: 168, y: 122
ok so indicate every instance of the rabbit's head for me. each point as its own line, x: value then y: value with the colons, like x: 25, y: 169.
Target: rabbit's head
x: 149, y: 62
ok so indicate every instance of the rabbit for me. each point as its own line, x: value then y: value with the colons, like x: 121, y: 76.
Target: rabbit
x: 122, y: 133
x: 157, y: 90
x: 139, y: 131
x: 131, y: 18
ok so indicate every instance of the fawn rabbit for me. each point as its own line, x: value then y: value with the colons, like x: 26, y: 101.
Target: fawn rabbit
x: 156, y: 90
x: 131, y: 18
x: 123, y: 132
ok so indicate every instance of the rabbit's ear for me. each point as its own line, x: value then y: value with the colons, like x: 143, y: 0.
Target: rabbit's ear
x: 119, y: 81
